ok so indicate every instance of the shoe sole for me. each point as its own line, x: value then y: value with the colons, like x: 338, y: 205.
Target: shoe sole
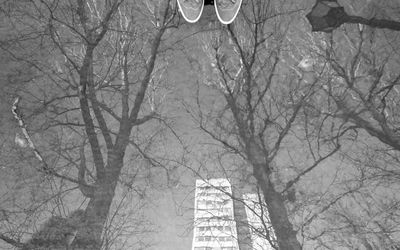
x: 190, y: 14
x: 226, y: 16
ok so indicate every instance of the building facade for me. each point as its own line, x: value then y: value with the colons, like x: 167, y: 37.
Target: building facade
x: 222, y: 223
x: 214, y: 224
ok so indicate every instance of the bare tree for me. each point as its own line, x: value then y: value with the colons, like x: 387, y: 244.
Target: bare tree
x: 259, y: 104
x: 356, y: 102
x: 96, y: 82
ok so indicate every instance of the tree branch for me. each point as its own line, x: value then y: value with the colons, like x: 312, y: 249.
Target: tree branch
x: 316, y: 163
x: 45, y: 168
x: 374, y: 22
x: 145, y: 82
x: 85, y: 74
x: 11, y: 241
x: 86, y: 189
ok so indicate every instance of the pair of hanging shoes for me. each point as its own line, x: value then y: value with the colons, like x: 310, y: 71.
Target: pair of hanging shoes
x: 226, y: 10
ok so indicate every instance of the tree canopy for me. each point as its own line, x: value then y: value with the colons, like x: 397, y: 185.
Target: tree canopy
x: 106, y: 103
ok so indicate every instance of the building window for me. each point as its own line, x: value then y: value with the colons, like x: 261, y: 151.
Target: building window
x: 226, y: 238
x: 211, y: 204
x: 206, y: 228
x: 227, y: 211
x: 201, y: 204
x: 200, y: 238
x: 222, y: 238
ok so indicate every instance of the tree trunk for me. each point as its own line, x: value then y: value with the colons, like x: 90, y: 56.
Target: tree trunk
x: 283, y: 229
x: 90, y: 235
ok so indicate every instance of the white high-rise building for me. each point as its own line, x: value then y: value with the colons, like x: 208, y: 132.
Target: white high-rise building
x: 215, y: 226
x: 220, y: 223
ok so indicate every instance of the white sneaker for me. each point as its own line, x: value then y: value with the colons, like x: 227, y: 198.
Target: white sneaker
x: 191, y: 9
x: 227, y: 10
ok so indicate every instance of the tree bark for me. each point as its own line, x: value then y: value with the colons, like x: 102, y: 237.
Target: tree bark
x: 375, y: 23
x: 89, y: 237
x: 283, y: 228
x: 259, y: 159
